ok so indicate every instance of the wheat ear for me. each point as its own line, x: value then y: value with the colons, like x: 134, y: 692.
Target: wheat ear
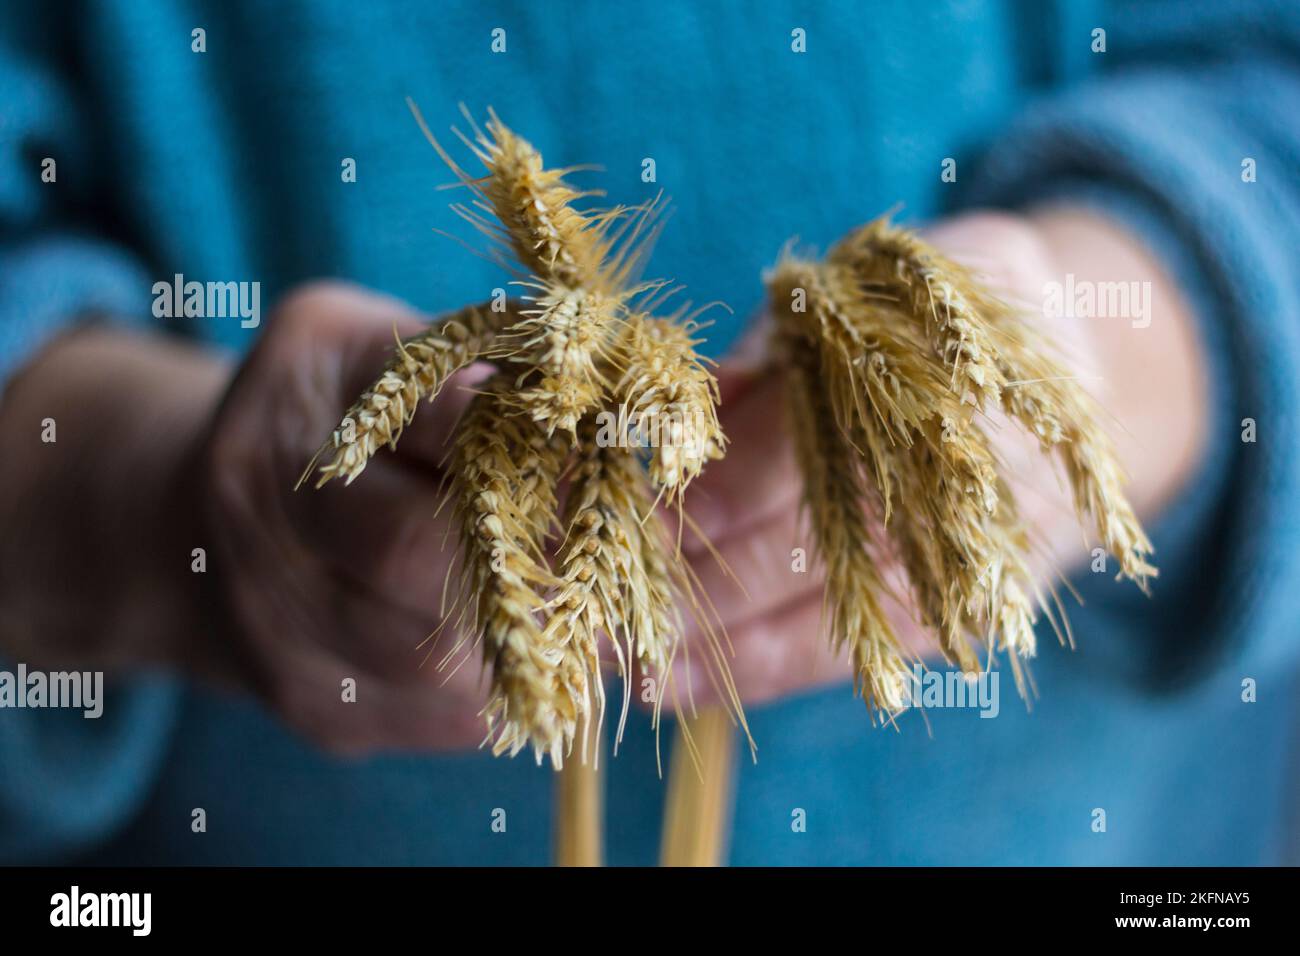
x: 538, y: 689
x: 838, y: 506
x: 1055, y: 409
x: 419, y: 368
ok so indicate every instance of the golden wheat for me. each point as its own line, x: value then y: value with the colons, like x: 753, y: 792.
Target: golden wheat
x: 541, y: 416
x: 418, y: 370
x: 1055, y: 409
x: 900, y: 349
x: 501, y: 492
x: 840, y: 512
x: 894, y: 264
x: 670, y: 397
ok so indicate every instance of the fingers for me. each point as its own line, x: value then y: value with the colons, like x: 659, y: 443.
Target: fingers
x: 757, y: 478
x: 757, y: 571
x: 775, y: 654
x: 347, y: 709
x: 750, y: 353
x: 385, y: 531
x: 748, y: 508
x: 1003, y: 248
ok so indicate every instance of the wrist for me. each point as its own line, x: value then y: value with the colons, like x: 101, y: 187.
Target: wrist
x: 100, y: 523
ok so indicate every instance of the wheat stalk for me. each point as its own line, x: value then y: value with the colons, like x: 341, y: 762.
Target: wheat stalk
x: 698, y: 802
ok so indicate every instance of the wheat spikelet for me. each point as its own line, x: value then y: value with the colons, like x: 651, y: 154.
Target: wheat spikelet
x: 564, y: 342
x: 667, y: 391
x: 418, y: 370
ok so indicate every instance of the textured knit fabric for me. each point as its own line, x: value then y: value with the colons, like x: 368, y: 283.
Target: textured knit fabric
x: 225, y: 166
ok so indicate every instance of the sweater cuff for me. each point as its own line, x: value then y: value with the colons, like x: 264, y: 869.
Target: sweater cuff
x: 68, y: 782
x: 51, y: 283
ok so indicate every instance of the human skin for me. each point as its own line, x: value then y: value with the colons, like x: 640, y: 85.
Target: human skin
x: 163, y: 448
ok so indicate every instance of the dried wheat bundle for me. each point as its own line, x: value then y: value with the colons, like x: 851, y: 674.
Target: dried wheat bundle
x: 584, y: 371
x: 892, y: 352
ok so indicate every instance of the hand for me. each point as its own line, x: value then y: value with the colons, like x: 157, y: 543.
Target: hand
x: 749, y: 503
x: 300, y: 590
x: 341, y: 582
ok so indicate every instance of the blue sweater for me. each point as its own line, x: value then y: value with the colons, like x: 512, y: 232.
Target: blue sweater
x: 225, y: 165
